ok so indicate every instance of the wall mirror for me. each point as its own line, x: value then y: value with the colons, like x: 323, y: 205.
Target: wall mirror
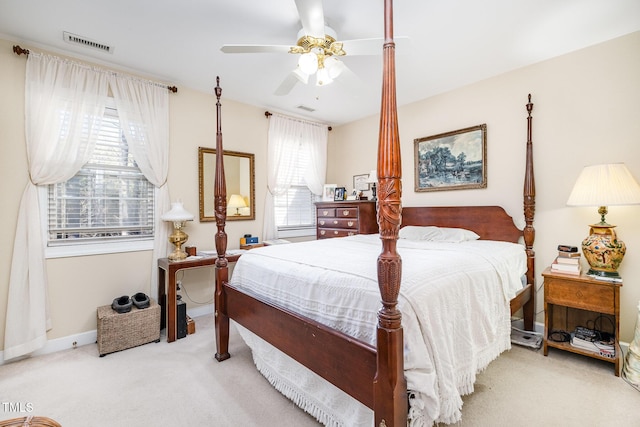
x: 240, y: 178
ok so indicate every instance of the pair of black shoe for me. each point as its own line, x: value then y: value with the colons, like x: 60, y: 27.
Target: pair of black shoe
x: 124, y: 303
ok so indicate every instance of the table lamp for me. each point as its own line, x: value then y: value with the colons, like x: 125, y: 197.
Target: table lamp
x: 604, y: 185
x: 373, y: 180
x: 178, y: 215
x: 237, y: 201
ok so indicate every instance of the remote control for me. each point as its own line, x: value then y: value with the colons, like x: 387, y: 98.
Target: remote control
x: 567, y: 248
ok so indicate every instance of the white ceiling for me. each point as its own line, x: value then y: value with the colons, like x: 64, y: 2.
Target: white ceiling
x: 452, y: 42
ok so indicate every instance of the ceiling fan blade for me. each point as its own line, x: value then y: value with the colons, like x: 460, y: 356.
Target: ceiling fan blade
x: 251, y: 48
x: 312, y: 17
x: 374, y: 46
x: 290, y: 81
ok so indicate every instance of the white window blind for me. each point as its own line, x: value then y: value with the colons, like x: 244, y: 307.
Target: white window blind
x: 108, y: 200
x: 295, y: 209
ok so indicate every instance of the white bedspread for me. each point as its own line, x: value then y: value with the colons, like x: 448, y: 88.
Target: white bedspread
x: 454, y: 300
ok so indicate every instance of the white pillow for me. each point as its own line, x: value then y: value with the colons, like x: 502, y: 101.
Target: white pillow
x: 437, y: 234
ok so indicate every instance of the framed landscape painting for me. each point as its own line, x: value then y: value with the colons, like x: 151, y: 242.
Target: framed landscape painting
x: 452, y: 161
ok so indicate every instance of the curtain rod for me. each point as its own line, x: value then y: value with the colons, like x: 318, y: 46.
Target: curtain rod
x: 20, y: 51
x: 268, y: 114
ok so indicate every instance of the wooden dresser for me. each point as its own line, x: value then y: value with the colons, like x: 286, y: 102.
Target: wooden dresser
x: 339, y: 219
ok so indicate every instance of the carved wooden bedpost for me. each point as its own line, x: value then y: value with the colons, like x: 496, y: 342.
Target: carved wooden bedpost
x: 529, y: 194
x: 222, y: 264
x: 390, y: 386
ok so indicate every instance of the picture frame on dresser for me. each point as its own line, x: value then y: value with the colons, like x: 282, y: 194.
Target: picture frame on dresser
x: 339, y: 194
x: 328, y: 192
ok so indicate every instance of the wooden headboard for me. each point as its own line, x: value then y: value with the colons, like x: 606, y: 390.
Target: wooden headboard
x: 489, y: 222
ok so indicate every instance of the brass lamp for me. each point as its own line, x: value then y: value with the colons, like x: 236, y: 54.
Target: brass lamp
x: 236, y: 201
x: 178, y: 215
x: 604, y: 185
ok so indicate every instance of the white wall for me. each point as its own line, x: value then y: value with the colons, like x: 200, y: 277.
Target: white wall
x: 586, y: 111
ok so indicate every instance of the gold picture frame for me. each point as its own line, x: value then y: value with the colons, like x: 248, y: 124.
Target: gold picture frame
x: 451, y: 161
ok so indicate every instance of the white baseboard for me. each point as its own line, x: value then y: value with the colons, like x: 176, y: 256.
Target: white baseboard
x: 519, y: 323
x: 202, y: 310
x: 89, y: 337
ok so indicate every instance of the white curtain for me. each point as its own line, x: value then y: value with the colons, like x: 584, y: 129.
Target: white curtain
x: 64, y: 104
x: 143, y: 109
x: 287, y: 139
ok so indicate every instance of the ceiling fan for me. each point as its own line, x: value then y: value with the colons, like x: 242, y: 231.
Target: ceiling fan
x: 318, y: 47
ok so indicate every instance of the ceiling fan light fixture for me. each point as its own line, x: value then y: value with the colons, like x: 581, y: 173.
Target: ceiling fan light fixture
x: 333, y: 66
x: 308, y: 63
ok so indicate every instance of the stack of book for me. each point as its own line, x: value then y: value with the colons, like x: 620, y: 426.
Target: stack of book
x: 597, y: 342
x: 567, y: 261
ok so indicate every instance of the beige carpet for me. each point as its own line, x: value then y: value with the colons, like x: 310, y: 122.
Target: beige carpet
x: 181, y: 384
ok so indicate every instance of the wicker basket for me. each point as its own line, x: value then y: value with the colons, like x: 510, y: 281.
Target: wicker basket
x: 30, y: 421
x: 119, y: 331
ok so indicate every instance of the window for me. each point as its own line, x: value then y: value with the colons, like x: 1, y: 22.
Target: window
x: 108, y: 201
x: 295, y: 211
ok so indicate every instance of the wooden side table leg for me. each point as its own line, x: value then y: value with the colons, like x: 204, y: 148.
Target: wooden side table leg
x: 171, y: 307
x: 545, y: 347
x: 162, y: 297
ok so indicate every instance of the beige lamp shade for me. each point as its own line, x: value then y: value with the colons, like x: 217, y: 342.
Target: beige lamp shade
x: 237, y: 201
x: 605, y: 185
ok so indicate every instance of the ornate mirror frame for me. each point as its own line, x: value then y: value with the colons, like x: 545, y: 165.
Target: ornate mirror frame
x: 240, y: 179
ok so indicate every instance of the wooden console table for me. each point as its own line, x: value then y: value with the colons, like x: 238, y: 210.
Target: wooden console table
x: 167, y: 296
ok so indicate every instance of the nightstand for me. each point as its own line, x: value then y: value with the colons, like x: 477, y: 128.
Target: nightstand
x: 571, y: 301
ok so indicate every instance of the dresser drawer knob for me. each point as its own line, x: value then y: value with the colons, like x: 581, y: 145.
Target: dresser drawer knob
x: 345, y: 213
x: 322, y: 232
x: 325, y: 213
x: 335, y: 221
x: 351, y: 233
x: 350, y: 223
x: 336, y: 232
x: 322, y: 222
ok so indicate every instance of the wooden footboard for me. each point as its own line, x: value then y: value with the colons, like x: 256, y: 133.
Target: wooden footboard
x: 323, y: 350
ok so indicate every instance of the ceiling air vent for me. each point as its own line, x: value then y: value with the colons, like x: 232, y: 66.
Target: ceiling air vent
x: 305, y: 108
x: 83, y: 41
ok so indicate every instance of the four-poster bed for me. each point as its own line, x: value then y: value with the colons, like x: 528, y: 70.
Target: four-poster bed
x: 372, y: 373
